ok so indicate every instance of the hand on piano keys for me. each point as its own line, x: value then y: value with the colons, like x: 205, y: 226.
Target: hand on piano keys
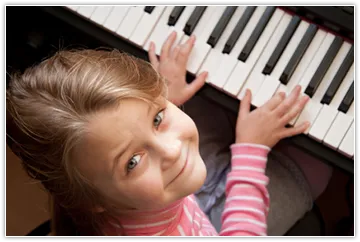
x: 264, y: 49
x: 266, y: 125
x: 172, y: 65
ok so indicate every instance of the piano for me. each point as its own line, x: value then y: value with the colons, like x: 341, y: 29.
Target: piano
x: 264, y: 48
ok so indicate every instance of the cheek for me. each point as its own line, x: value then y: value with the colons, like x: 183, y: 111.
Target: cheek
x: 144, y: 192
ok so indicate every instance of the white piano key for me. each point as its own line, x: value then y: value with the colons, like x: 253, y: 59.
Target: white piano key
x: 347, y: 144
x: 159, y: 35
x: 323, y: 122
x: 226, y: 65
x: 212, y: 22
x: 212, y: 61
x: 229, y: 61
x: 73, y: 7
x: 253, y: 84
x: 116, y: 17
x: 265, y: 55
x: 232, y: 85
x: 249, y: 28
x: 197, y: 56
x: 130, y: 21
x: 202, y: 32
x: 313, y: 108
x: 289, y: 50
x: 310, y: 71
x: 100, y: 14
x: 305, y: 60
x: 146, y: 26
x: 313, y: 65
x: 180, y: 24
x: 268, y: 88
x: 86, y: 11
x: 339, y: 127
x: 304, y: 67
x: 328, y: 113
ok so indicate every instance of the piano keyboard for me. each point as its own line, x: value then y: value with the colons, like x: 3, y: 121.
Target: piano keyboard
x: 264, y: 49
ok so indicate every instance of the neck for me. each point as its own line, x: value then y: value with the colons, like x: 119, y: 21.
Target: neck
x: 151, y: 222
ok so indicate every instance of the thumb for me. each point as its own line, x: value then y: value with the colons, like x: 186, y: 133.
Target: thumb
x: 195, y: 85
x: 245, y: 104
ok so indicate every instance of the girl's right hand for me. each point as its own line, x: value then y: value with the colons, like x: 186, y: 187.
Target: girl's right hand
x: 266, y: 124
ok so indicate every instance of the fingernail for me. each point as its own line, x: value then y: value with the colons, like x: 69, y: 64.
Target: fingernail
x: 151, y: 45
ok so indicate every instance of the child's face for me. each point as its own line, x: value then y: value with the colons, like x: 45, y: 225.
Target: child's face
x: 161, y: 161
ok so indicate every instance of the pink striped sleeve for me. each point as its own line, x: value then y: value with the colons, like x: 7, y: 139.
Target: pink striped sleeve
x: 247, y: 198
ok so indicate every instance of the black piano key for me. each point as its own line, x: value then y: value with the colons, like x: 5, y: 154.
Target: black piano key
x: 221, y: 25
x: 255, y: 35
x: 339, y: 76
x: 275, y: 56
x: 149, y: 9
x: 324, y: 66
x: 348, y: 99
x: 175, y: 15
x: 230, y: 43
x: 193, y: 20
x: 298, y: 54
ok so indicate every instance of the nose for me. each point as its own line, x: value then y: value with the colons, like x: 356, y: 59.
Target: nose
x: 170, y: 150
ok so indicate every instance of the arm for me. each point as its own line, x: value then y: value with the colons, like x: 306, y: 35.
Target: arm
x: 247, y: 199
x: 172, y: 65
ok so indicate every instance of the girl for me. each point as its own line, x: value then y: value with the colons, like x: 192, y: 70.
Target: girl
x: 296, y: 179
x: 105, y: 137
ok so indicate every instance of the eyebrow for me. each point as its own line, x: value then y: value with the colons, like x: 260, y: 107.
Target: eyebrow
x: 122, y: 150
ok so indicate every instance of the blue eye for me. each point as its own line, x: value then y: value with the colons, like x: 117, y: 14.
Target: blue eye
x: 133, y: 162
x: 158, y: 118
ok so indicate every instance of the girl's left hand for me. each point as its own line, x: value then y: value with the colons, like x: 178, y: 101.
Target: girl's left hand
x: 172, y: 66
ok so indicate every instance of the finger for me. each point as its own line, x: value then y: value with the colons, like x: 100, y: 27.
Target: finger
x: 295, y: 110
x: 274, y: 101
x: 185, y: 51
x: 288, y: 102
x: 245, y: 104
x: 288, y: 132
x: 152, y: 56
x: 175, y: 52
x: 167, y: 46
x: 195, y: 85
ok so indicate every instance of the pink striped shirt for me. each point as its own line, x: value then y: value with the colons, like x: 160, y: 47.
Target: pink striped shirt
x: 245, y: 211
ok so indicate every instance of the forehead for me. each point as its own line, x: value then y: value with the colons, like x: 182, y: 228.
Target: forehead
x: 128, y: 117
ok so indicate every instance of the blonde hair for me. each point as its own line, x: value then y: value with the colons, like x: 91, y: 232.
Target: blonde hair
x: 51, y: 104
